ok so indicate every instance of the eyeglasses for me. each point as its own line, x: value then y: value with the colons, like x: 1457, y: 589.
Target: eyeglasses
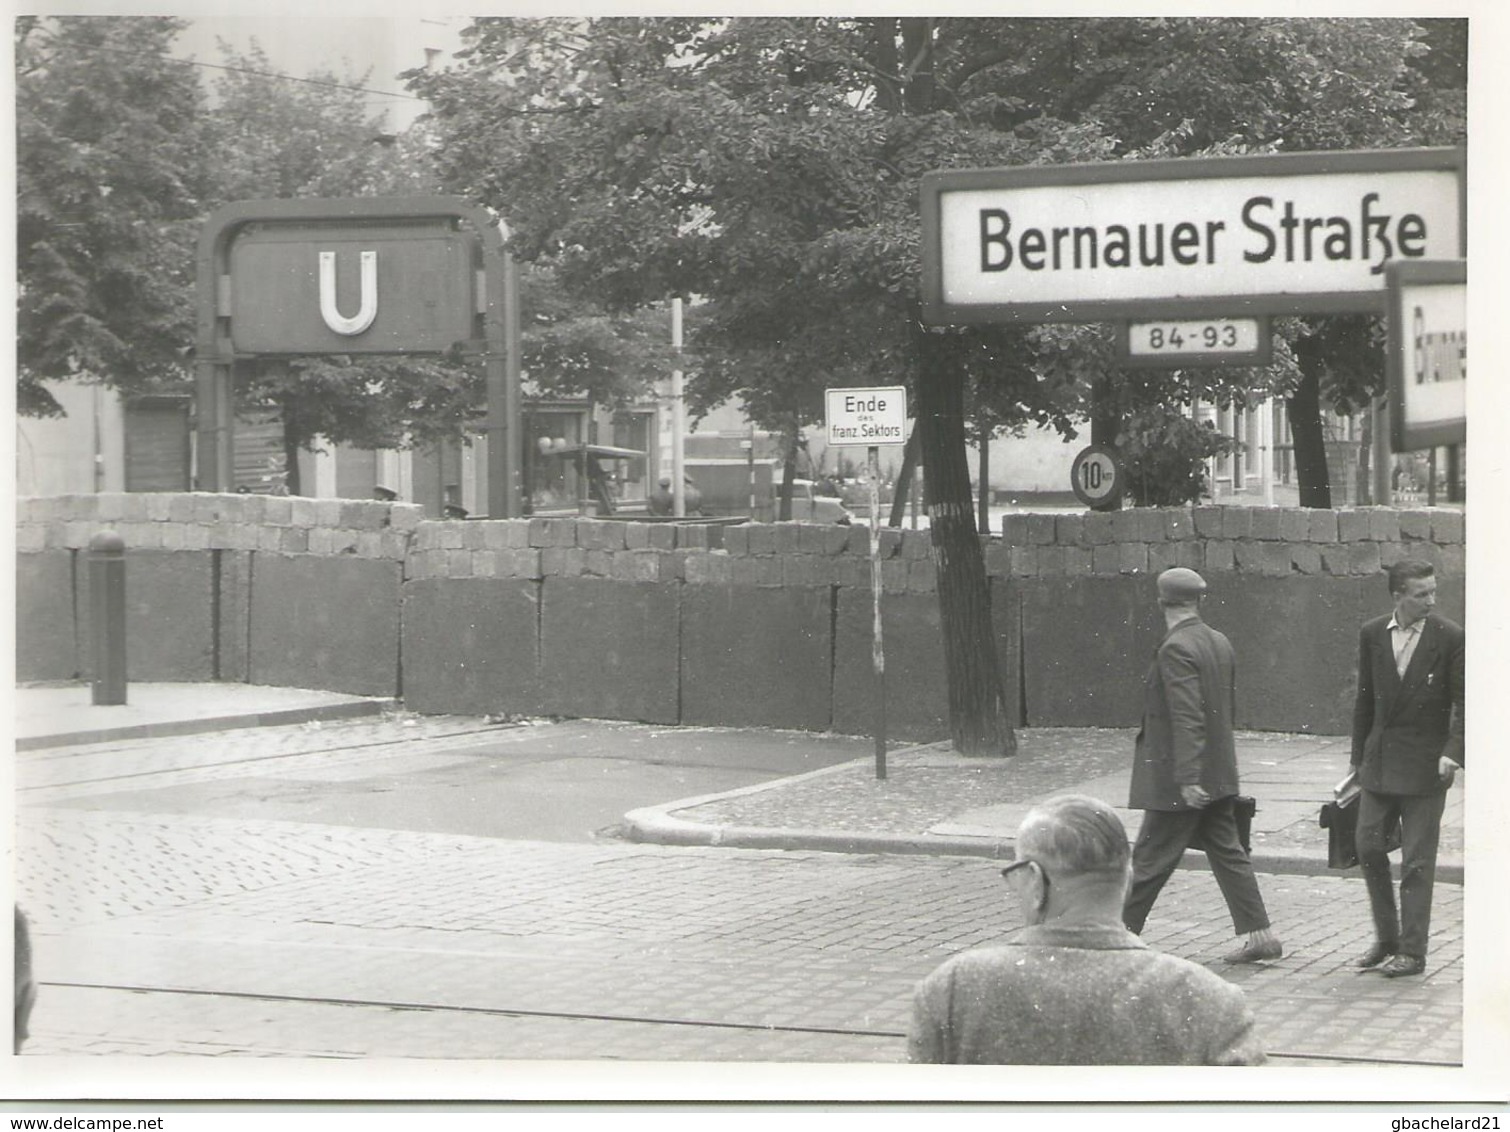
x: 1042, y: 872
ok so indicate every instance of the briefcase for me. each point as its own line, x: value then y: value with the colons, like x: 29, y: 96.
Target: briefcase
x: 1243, y: 809
x: 1340, y: 820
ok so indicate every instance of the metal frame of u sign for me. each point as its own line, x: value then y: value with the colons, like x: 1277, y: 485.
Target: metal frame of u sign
x: 491, y: 283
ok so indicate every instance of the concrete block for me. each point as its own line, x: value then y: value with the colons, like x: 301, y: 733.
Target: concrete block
x: 1069, y: 530
x: 787, y: 536
x: 518, y: 533
x: 484, y: 564
x: 1454, y: 562
x: 279, y: 511
x: 760, y: 539
x: 1126, y: 524
x: 756, y: 657
x: 31, y: 537
x: 1106, y: 558
x: 452, y: 535
x: 1220, y: 555
x: 1352, y: 526
x: 1415, y: 524
x: 327, y: 511
x: 597, y: 562
x: 111, y: 506
x: 401, y: 516
x: 917, y: 546
x: 998, y: 560
x: 663, y: 536
x: 922, y: 577
x: 692, y: 536
x: 1022, y: 561
x: 1383, y: 524
x: 495, y: 535
x: 268, y: 538
x: 1190, y: 553
x: 1363, y: 558
x: 1179, y: 523
x: 48, y: 638
x: 1448, y: 526
x: 637, y: 536
x: 1323, y: 525
x: 1162, y: 556
x: 180, y: 508
x: 805, y: 570
x: 1392, y: 552
x: 1133, y: 558
x: 1098, y: 527
x: 472, y: 646
x: 1014, y: 529
x: 737, y: 539
x: 894, y: 575
x: 1295, y: 524
x: 1077, y: 561
x: 1041, y: 529
x: 1237, y: 522
x: 1265, y: 523
x: 1305, y: 558
x: 458, y: 563
x: 169, y: 616
x: 610, y: 650
x: 1150, y: 524
x: 136, y: 508
x: 303, y: 512
x: 293, y: 540
x: 891, y: 541
x: 540, y: 532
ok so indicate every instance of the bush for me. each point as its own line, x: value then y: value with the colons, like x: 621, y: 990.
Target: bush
x: 1164, y: 454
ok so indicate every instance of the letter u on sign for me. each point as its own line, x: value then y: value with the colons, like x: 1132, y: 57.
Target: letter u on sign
x: 367, y: 308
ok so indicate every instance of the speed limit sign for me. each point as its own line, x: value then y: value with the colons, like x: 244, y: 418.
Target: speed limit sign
x: 1096, y: 476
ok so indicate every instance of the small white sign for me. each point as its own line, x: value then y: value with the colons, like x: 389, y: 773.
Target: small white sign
x: 869, y: 416
x: 1199, y: 336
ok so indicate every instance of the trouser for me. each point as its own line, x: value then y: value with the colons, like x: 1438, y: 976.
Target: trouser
x: 1420, y: 828
x: 1164, y: 837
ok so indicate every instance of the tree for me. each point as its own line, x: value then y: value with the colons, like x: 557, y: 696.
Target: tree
x: 770, y: 167
x: 111, y: 179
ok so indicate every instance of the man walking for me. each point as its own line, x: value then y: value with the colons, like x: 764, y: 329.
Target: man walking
x: 1185, y: 770
x: 1407, y: 749
x: 1075, y: 987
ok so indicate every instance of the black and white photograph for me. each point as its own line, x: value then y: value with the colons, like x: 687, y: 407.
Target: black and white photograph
x: 660, y: 555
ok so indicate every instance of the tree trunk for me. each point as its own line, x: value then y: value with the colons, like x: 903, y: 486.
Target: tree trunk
x: 1304, y: 407
x: 979, y: 718
x: 788, y: 474
x: 903, y: 488
x: 983, y: 478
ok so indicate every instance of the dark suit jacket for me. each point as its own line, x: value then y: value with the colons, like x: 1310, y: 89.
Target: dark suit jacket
x: 1186, y: 739
x: 1402, y: 726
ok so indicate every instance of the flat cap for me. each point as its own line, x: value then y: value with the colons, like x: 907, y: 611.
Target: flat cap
x: 1181, y: 585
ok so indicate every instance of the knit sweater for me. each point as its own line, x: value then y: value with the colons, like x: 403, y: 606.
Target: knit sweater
x: 1079, y: 996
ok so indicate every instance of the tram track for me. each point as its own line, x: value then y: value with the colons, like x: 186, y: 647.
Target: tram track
x: 899, y: 1036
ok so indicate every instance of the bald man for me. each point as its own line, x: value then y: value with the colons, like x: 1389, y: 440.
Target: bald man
x: 1075, y: 987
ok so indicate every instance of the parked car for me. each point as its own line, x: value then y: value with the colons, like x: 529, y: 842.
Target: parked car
x: 810, y: 507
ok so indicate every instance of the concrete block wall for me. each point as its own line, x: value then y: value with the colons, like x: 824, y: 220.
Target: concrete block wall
x: 262, y: 589
x: 755, y: 624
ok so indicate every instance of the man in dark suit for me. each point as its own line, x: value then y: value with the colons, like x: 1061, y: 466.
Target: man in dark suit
x: 1407, y: 749
x: 1185, y: 770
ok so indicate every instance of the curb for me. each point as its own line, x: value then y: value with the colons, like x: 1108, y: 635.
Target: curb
x: 658, y: 825
x: 169, y: 728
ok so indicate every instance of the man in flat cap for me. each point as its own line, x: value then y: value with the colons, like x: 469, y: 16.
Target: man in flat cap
x: 1185, y: 770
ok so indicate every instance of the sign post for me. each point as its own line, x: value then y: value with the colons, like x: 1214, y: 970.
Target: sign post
x: 872, y: 416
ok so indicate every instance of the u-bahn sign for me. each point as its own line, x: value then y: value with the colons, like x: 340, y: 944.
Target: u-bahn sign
x: 1185, y: 237
x: 1427, y: 356
x: 369, y: 275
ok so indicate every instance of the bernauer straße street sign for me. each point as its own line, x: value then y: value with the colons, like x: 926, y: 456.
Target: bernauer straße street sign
x: 1185, y: 237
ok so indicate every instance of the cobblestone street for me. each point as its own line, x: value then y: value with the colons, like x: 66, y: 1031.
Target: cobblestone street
x: 168, y: 922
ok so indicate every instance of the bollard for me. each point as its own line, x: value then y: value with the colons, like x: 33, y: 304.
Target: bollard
x: 107, y: 611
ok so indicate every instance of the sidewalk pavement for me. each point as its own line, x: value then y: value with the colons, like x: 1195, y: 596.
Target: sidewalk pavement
x: 932, y: 801
x: 64, y: 715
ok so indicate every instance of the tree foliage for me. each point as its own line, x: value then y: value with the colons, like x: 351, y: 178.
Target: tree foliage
x: 110, y: 172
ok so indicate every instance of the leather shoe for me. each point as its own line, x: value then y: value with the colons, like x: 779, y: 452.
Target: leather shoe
x: 1375, y: 955
x: 1403, y: 965
x: 1255, y: 952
